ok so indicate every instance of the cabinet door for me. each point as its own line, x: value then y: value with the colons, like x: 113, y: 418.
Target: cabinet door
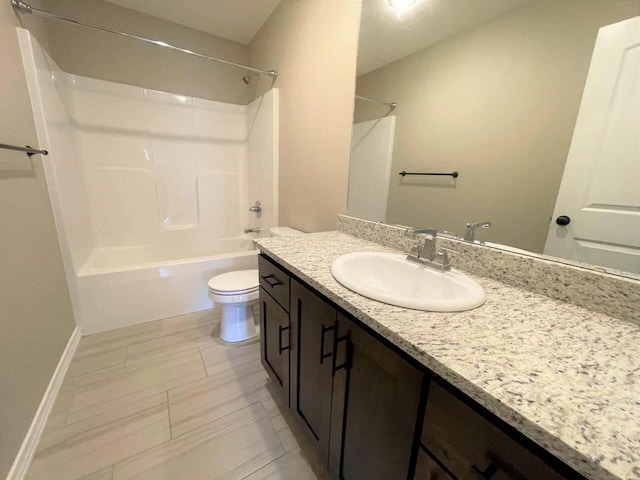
x: 428, y: 469
x: 376, y: 401
x: 312, y: 326
x: 274, y: 345
x: 471, y: 446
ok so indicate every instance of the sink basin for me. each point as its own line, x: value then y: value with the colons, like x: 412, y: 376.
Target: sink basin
x: 392, y: 279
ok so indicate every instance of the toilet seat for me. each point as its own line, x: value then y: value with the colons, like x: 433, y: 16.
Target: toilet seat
x: 241, y: 281
x: 234, y: 298
x: 235, y: 287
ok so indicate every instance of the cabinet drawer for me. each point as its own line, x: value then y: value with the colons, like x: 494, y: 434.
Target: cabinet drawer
x: 469, y: 444
x: 428, y: 469
x: 274, y: 281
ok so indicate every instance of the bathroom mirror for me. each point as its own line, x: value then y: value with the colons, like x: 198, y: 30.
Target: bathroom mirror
x: 492, y: 90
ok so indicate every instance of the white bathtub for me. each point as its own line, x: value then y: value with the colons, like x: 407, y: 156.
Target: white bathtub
x: 126, y: 286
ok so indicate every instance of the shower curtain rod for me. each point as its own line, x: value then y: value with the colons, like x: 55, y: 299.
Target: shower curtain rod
x: 24, y: 8
x: 391, y: 105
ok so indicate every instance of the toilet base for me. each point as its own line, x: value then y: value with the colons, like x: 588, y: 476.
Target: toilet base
x: 238, y: 322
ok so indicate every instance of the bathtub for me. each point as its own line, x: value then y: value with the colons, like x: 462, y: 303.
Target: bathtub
x: 120, y: 287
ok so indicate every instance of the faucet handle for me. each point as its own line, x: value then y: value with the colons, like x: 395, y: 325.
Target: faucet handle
x: 445, y: 255
x: 417, y: 243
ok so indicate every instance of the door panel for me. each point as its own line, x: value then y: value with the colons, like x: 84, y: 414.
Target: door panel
x: 467, y: 443
x: 274, y: 345
x: 380, y: 401
x: 313, y: 323
x: 599, y: 190
x: 428, y: 469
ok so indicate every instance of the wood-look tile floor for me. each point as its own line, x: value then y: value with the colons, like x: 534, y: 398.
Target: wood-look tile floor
x: 168, y: 400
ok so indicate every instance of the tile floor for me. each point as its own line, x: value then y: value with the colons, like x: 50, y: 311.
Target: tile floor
x: 167, y: 400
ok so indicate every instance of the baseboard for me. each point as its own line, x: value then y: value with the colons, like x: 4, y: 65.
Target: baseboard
x: 28, y: 449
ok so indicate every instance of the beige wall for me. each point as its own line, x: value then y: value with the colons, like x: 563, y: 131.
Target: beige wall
x: 498, y: 104
x: 313, y: 45
x: 106, y: 56
x: 35, y: 310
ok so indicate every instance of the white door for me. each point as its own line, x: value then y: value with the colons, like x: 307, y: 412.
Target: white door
x: 600, y: 189
x: 370, y: 168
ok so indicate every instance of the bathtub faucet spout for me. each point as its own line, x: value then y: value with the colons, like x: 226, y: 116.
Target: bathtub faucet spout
x: 253, y: 230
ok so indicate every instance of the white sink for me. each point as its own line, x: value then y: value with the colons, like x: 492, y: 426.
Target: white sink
x: 392, y: 279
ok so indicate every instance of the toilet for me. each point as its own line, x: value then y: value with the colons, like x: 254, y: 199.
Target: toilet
x: 237, y: 293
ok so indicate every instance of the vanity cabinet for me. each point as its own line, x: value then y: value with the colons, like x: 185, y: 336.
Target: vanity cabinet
x: 370, y: 411
x: 357, y: 398
x: 274, y: 281
x: 427, y: 468
x: 274, y: 323
x: 377, y: 396
x: 471, y: 446
x: 312, y: 330
x: 274, y: 347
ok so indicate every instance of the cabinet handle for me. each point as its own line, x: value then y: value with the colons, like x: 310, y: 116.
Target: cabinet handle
x: 280, y: 347
x: 347, y: 362
x: 486, y: 474
x: 324, y: 331
x: 267, y: 278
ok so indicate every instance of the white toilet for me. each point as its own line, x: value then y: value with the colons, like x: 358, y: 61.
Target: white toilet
x: 237, y: 293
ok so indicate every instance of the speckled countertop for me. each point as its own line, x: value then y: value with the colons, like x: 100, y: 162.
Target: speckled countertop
x: 566, y: 377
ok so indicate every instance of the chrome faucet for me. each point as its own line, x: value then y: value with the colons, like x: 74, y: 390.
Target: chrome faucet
x: 253, y: 230
x: 470, y: 234
x: 424, y: 252
x: 422, y: 246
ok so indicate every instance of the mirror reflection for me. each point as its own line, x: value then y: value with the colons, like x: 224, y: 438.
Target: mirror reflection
x: 527, y: 111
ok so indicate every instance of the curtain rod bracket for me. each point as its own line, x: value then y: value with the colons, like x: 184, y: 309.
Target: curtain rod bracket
x: 21, y: 6
x: 30, y: 151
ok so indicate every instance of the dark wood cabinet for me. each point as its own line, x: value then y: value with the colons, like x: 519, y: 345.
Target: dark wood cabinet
x: 275, y: 340
x: 313, y: 323
x: 357, y: 398
x: 428, y: 469
x: 472, y: 447
x: 372, y: 413
x: 377, y: 395
x: 274, y: 281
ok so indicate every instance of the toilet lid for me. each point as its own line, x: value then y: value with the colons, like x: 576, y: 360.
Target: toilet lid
x: 240, y: 281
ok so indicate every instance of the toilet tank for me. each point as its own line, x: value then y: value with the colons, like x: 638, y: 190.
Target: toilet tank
x: 284, y: 232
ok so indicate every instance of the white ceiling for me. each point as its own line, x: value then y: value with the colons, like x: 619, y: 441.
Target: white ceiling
x: 387, y: 35
x: 237, y: 20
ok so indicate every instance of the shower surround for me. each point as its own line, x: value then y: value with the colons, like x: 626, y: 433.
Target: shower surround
x: 150, y: 190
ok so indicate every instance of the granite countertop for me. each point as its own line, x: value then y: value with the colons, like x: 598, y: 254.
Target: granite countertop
x: 566, y: 377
